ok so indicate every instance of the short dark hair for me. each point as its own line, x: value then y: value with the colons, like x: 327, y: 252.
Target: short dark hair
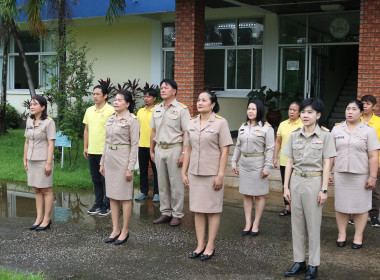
x: 128, y: 98
x: 316, y: 104
x: 213, y: 99
x: 103, y: 88
x: 369, y: 98
x: 295, y: 103
x: 151, y: 92
x: 170, y: 82
x: 260, y: 110
x: 42, y: 101
x: 358, y: 103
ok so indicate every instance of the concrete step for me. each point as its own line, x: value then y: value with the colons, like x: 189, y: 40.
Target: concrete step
x: 341, y: 104
x: 345, y: 98
x: 339, y: 109
x: 350, y: 87
x: 352, y: 93
x: 338, y: 115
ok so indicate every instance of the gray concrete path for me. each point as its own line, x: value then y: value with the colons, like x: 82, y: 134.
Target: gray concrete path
x: 74, y: 249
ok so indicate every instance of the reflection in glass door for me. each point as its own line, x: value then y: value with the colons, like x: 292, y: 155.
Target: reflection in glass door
x: 292, y: 71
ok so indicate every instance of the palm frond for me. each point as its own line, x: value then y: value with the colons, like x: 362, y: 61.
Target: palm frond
x: 115, y: 9
x: 8, y: 10
x: 33, y: 14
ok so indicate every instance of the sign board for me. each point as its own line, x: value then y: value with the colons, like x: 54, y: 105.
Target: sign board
x: 293, y: 65
x: 62, y: 140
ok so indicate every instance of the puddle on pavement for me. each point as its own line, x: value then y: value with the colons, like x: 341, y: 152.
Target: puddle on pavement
x: 18, y: 200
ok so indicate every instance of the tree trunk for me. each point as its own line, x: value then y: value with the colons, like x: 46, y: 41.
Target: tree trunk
x: 23, y: 57
x: 61, y: 57
x: 3, y: 128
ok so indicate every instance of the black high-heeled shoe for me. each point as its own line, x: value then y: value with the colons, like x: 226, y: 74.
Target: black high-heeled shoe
x: 341, y: 243
x: 246, y: 232
x: 111, y: 239
x: 44, y: 228
x: 193, y: 255
x: 356, y: 246
x: 119, y: 242
x: 32, y: 227
x: 207, y: 257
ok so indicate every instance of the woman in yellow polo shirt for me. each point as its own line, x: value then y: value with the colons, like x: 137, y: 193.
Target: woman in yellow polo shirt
x: 283, y: 133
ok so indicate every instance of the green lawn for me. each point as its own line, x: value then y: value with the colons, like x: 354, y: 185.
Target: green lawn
x: 6, y: 274
x: 11, y: 163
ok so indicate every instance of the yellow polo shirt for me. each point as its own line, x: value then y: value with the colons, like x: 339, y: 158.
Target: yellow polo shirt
x: 96, y: 121
x: 375, y: 123
x: 144, y: 116
x: 285, y: 130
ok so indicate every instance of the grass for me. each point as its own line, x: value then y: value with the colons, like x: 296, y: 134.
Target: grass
x: 6, y: 274
x: 12, y: 169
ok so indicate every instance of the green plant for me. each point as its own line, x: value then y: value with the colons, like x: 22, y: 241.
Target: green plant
x: 78, y: 76
x: 274, y: 100
x: 12, y: 118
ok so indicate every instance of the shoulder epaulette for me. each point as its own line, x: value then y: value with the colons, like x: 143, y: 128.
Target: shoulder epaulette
x: 268, y: 124
x: 182, y: 105
x: 50, y: 118
x: 338, y: 123
x: 133, y: 116
x: 218, y: 117
x: 325, y: 129
x: 194, y: 117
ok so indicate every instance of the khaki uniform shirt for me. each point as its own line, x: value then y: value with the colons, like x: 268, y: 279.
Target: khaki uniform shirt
x: 308, y: 152
x: 124, y: 131
x: 255, y: 140
x: 353, y: 147
x: 170, y: 123
x: 205, y: 144
x: 39, y: 136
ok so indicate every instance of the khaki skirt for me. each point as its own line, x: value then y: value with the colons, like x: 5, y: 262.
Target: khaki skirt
x: 36, y: 174
x: 350, y: 195
x: 250, y: 181
x: 115, y: 167
x: 202, y: 196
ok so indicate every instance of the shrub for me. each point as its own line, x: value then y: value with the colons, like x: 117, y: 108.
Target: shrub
x: 12, y: 117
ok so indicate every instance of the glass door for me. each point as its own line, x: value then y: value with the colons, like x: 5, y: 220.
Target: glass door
x: 292, y: 71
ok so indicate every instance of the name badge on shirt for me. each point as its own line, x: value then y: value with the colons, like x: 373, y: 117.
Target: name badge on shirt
x: 29, y: 127
x: 317, y: 142
x: 158, y: 111
x: 209, y: 130
x: 339, y: 137
x: 242, y: 129
x: 191, y: 129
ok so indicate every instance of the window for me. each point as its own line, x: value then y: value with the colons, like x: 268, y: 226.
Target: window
x: 233, y: 53
x: 35, y: 50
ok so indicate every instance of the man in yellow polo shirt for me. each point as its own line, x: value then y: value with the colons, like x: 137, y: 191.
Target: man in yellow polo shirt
x: 144, y: 116
x: 369, y: 117
x: 93, y: 143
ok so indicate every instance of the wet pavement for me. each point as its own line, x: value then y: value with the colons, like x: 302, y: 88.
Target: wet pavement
x: 74, y: 248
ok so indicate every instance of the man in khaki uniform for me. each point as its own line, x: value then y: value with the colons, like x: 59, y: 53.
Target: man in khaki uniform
x: 309, y: 150
x: 169, y: 122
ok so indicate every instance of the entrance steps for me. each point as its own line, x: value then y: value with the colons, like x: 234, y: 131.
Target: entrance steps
x: 348, y: 93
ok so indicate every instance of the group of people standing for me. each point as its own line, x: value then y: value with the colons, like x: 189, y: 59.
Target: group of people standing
x: 193, y: 153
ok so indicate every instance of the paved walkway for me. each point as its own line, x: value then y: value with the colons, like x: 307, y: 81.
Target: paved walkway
x: 74, y: 249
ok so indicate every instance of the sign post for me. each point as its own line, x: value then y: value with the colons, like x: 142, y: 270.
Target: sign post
x: 62, y: 141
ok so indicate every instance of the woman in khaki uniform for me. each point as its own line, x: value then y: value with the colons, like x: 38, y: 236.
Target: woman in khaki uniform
x: 39, y: 159
x: 118, y: 162
x: 206, y: 155
x: 355, y: 172
x: 254, y: 148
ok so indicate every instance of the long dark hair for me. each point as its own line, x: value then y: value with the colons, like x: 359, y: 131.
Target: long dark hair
x: 260, y: 111
x: 128, y: 98
x: 42, y: 101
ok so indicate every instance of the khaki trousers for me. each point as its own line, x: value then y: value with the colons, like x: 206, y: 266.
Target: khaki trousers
x: 170, y: 186
x: 306, y: 217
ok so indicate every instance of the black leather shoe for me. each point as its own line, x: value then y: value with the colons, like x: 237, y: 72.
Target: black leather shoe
x: 297, y: 268
x: 44, y: 228
x: 111, y: 239
x: 356, y: 246
x: 34, y: 227
x: 193, y: 255
x: 119, y: 242
x: 207, y: 257
x: 341, y: 243
x: 312, y: 273
x: 254, y: 233
x: 246, y: 232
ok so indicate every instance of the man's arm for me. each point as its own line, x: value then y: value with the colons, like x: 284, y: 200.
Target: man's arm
x: 85, y: 142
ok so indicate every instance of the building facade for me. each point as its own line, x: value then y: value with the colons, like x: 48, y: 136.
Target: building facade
x: 322, y: 49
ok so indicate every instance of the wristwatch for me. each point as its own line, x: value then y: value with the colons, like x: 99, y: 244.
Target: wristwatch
x: 324, y: 191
